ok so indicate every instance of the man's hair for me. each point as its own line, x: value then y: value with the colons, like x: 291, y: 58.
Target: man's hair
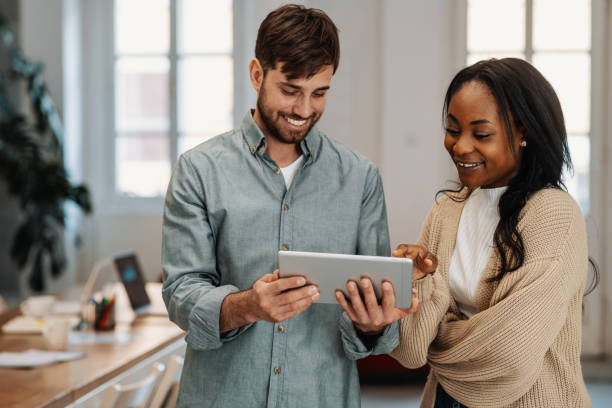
x: 302, y: 39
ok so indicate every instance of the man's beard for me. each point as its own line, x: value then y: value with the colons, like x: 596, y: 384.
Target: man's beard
x: 273, y: 130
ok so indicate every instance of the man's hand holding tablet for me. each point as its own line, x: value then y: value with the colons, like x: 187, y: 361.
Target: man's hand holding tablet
x: 371, y: 317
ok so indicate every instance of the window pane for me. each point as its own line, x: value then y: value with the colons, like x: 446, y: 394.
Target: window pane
x: 141, y: 94
x: 562, y: 25
x: 578, y: 184
x: 205, y: 26
x: 206, y: 96
x: 142, y: 26
x: 496, y: 25
x: 187, y: 141
x: 143, y: 166
x: 478, y: 56
x: 570, y: 75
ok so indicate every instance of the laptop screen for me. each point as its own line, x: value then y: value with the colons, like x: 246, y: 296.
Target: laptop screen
x: 131, y: 276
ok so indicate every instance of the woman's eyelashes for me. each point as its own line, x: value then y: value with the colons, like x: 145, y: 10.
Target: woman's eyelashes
x: 451, y: 131
x: 477, y: 135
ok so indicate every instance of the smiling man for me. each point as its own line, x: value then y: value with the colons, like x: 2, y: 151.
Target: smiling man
x: 276, y: 183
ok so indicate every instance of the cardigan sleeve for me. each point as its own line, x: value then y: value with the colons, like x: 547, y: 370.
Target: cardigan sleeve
x: 495, y: 357
x: 419, y: 329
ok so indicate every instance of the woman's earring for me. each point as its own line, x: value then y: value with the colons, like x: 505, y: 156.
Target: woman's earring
x: 523, y: 143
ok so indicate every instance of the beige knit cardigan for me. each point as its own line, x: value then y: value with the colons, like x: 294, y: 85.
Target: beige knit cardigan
x: 522, y: 348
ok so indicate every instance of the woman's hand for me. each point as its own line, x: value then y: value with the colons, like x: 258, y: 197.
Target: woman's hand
x: 424, y: 262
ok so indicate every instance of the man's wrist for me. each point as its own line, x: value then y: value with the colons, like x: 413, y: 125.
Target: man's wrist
x: 236, y: 311
x: 246, y: 307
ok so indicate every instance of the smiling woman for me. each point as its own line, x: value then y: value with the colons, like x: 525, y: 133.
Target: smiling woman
x: 499, y: 320
x: 513, y: 135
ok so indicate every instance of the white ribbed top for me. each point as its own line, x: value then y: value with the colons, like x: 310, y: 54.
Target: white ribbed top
x: 474, y: 245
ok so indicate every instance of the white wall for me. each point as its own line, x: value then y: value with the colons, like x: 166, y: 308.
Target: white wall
x: 605, y: 199
x: 418, y: 63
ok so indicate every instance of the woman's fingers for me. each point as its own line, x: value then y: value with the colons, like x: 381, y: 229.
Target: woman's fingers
x: 424, y: 261
x: 400, y: 251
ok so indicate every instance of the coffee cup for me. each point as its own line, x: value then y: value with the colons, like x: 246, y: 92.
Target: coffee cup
x: 55, y: 332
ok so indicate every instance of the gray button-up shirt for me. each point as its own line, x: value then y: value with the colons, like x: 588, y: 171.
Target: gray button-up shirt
x: 227, y: 214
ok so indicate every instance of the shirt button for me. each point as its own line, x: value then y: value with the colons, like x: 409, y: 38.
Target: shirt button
x: 253, y: 149
x: 276, y: 370
x: 285, y: 247
x: 277, y: 170
x: 281, y: 329
x: 285, y: 207
x: 312, y: 151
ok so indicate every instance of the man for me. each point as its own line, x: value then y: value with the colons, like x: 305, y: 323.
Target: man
x: 276, y: 183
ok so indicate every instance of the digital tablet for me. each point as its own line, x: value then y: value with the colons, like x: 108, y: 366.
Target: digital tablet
x: 331, y: 271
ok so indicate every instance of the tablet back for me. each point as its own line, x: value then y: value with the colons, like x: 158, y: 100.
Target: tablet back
x: 331, y: 271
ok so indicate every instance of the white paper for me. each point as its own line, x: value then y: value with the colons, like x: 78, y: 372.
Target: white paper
x: 35, y: 358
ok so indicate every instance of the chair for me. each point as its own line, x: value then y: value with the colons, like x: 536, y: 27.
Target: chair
x: 167, y: 392
x: 133, y: 395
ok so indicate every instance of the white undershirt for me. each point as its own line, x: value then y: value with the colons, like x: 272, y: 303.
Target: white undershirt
x: 474, y: 246
x: 290, y: 170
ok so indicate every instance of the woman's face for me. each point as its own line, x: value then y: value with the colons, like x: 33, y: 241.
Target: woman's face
x: 477, y: 141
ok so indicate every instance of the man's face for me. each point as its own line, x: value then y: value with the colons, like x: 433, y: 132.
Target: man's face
x: 288, y: 108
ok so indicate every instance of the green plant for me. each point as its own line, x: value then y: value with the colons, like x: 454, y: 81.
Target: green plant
x: 32, y: 164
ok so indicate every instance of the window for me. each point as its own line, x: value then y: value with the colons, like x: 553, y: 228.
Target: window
x: 173, y: 79
x: 555, y: 36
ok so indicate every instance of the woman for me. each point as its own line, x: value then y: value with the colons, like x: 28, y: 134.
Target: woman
x: 499, y: 322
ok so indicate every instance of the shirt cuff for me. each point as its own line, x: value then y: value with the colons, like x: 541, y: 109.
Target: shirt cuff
x: 355, y: 348
x: 203, y: 332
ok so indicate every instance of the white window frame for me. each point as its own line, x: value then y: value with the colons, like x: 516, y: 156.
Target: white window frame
x: 100, y: 57
x: 599, y: 218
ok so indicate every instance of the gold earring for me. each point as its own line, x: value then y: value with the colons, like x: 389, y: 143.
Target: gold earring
x: 523, y: 143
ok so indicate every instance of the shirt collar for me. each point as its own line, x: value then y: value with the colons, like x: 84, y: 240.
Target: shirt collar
x: 255, y: 139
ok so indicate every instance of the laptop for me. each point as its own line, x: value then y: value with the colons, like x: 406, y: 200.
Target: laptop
x: 145, y: 298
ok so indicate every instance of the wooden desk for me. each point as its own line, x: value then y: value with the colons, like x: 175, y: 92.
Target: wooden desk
x: 60, y: 384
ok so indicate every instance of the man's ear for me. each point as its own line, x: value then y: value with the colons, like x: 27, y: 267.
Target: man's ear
x: 256, y: 74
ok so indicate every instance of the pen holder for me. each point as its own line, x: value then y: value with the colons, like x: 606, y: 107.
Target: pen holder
x: 105, y: 315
